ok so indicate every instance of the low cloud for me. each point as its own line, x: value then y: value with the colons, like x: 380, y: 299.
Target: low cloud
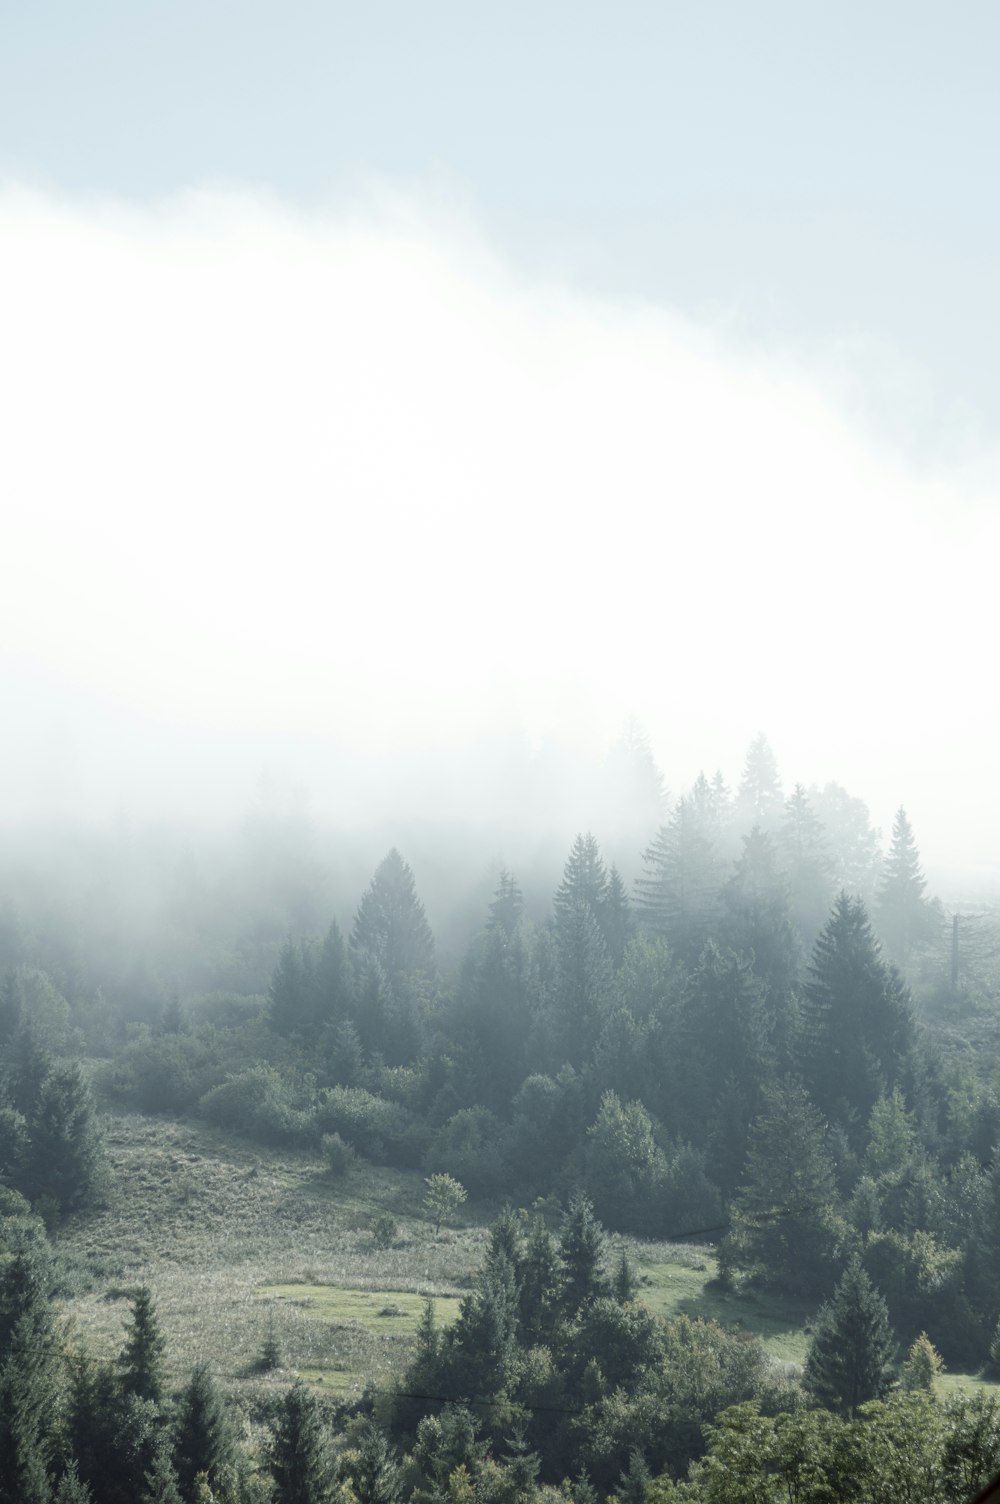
x: 336, y: 490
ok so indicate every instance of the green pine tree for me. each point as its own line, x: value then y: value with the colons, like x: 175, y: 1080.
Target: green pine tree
x: 850, y: 1359
x: 581, y: 1255
x: 906, y: 919
x: 141, y: 1361
x: 299, y: 1460
x: 203, y: 1441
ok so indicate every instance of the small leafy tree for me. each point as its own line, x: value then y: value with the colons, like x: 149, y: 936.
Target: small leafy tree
x: 922, y: 1366
x: 444, y: 1196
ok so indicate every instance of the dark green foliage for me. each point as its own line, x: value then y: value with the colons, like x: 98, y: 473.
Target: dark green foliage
x: 859, y: 1027
x: 624, y: 1168
x: 757, y: 923
x: 64, y: 1156
x: 28, y: 1389
x: 299, y: 1460
x: 445, y: 1442
x: 161, y: 1479
x: 72, y: 1491
x: 784, y: 1227
x: 584, y: 884
x: 141, y: 1362
x: 677, y: 897
x: 375, y: 1474
x: 262, y: 1104
x: 469, y: 1147
x: 851, y: 1357
x: 583, y: 996
x: 203, y: 1439
x: 581, y: 1255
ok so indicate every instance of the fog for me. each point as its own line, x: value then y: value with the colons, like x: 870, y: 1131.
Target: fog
x: 347, y: 501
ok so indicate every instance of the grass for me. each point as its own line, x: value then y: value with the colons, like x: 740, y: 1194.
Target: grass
x: 672, y: 1289
x: 236, y: 1241
x: 221, y: 1230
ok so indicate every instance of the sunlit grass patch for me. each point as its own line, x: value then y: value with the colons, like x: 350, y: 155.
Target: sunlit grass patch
x: 383, y: 1311
x: 676, y: 1289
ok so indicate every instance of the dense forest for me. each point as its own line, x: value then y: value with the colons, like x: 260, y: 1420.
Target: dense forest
x: 751, y: 1028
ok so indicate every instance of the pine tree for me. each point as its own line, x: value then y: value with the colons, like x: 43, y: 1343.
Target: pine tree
x: 676, y: 898
x: 905, y: 918
x: 71, y: 1490
x: 507, y: 905
x: 859, y: 1029
x: 783, y: 1224
x: 757, y: 924
x: 581, y: 1255
x: 616, y: 918
x: 161, y: 1479
x: 853, y: 844
x: 203, y: 1441
x: 584, y: 989
x: 807, y: 863
x: 28, y: 1390
x: 376, y: 1475
x: 64, y: 1157
x: 540, y: 1286
x: 299, y: 1460
x: 584, y: 883
x: 141, y: 1361
x: 390, y: 924
x: 851, y: 1355
x: 290, y: 996
x: 759, y: 800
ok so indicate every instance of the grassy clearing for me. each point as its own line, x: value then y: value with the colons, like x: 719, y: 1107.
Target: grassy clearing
x: 672, y: 1289
x: 235, y: 1240
x: 214, y: 1225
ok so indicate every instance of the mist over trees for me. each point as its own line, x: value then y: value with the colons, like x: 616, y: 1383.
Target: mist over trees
x: 740, y: 1030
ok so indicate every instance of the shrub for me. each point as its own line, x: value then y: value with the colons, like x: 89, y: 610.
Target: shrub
x: 384, y: 1230
x: 378, y: 1129
x: 259, y: 1103
x: 338, y: 1155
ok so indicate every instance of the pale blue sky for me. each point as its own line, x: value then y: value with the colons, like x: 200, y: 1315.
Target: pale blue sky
x: 819, y: 172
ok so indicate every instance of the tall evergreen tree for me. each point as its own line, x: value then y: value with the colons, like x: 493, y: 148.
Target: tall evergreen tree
x: 64, y: 1156
x: 851, y: 1355
x: 759, y: 799
x: 807, y: 863
x: 141, y: 1361
x: 783, y: 1222
x: 581, y: 1255
x: 203, y: 1439
x: 906, y: 919
x: 616, y: 919
x: 507, y: 904
x: 859, y: 1026
x: 28, y: 1389
x: 584, y: 883
x: 583, y: 997
x: 676, y: 898
x: 390, y: 924
x: 757, y: 923
x: 299, y: 1461
x: 376, y: 1474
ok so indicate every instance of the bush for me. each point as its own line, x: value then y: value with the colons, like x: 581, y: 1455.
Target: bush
x: 259, y: 1103
x: 339, y: 1156
x: 469, y: 1148
x: 384, y: 1230
x: 378, y: 1129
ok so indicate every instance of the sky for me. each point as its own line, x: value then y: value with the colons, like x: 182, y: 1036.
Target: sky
x: 380, y: 383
